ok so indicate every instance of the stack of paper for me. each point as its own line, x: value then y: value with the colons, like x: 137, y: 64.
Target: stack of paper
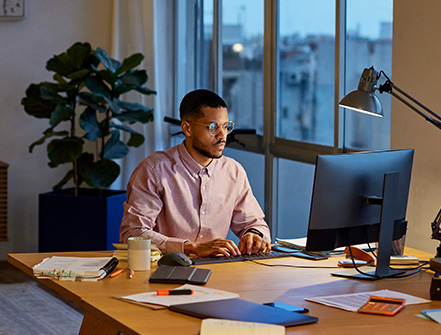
x: 70, y: 268
x: 293, y: 243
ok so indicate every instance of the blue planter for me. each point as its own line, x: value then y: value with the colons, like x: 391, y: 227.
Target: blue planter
x: 87, y: 222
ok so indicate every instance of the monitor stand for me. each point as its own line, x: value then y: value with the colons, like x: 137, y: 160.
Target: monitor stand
x: 388, y: 205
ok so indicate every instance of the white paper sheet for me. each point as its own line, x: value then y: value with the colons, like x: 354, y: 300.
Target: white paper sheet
x: 200, y: 294
x: 222, y: 327
x: 352, y: 302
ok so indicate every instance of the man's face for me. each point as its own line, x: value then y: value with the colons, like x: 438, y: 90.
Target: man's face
x: 202, y: 145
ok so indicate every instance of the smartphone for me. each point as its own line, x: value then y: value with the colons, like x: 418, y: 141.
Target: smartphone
x: 287, y: 307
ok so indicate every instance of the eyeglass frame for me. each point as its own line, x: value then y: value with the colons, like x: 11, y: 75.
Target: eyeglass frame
x: 218, y: 126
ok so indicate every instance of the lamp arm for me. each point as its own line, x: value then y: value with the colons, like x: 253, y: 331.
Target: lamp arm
x: 416, y: 101
x: 389, y: 87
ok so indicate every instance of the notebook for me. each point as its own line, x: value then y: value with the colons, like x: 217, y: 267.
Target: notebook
x: 242, y: 310
x: 180, y: 275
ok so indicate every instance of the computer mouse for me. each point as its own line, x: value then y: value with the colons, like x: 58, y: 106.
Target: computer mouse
x: 175, y: 259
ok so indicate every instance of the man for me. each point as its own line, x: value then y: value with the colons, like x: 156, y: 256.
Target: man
x: 187, y: 198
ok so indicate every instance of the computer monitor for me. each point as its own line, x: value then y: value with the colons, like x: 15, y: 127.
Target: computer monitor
x: 360, y: 198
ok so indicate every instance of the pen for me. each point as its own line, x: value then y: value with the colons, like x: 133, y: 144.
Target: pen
x: 108, y: 268
x: 174, y: 292
x: 131, y: 274
x: 116, y: 273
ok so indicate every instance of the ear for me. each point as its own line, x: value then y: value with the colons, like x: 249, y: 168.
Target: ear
x: 186, y: 129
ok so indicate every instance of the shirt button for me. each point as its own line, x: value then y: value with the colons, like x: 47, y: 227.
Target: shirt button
x: 201, y: 236
x: 203, y: 212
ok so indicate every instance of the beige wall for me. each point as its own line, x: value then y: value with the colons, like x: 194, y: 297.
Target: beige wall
x: 49, y: 28
x: 416, y: 69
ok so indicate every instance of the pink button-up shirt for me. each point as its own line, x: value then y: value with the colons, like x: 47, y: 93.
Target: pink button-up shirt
x: 173, y: 199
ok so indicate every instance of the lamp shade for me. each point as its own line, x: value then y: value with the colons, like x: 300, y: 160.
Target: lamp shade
x: 363, y: 99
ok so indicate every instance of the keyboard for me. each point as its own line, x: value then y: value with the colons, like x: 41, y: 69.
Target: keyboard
x: 240, y: 258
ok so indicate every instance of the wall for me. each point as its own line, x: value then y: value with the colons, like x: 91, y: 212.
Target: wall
x: 49, y: 28
x: 416, y: 69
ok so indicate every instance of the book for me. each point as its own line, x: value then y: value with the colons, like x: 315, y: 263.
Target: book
x: 404, y: 260
x: 70, y: 268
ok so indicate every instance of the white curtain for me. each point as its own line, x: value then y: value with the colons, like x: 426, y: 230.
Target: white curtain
x: 145, y: 26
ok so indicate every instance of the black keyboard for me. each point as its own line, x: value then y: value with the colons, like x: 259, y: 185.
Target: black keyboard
x: 240, y: 258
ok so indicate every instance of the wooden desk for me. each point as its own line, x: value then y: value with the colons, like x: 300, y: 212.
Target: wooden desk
x: 257, y: 283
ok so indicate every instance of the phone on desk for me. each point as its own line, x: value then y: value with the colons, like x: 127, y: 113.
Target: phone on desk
x: 287, y: 307
x: 300, y: 253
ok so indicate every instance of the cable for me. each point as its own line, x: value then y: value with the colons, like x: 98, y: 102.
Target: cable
x: 291, y: 266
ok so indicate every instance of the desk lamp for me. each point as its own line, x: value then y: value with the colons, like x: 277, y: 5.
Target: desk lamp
x: 364, y: 100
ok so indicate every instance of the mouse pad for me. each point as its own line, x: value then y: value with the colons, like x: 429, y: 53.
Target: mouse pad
x: 180, y: 275
x: 242, y: 310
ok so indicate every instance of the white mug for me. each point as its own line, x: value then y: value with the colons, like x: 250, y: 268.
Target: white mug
x: 139, y: 253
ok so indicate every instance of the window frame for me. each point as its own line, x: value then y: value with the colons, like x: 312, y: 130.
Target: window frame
x: 268, y: 144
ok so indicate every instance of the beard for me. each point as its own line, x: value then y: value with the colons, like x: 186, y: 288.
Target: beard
x: 205, y: 150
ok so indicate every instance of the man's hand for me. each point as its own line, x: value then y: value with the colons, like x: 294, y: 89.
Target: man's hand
x: 251, y: 243
x: 214, y: 247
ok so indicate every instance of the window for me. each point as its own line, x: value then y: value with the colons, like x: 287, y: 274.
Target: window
x: 282, y: 66
x: 305, y: 110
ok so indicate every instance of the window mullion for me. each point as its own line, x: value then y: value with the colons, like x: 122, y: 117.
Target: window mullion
x: 217, y: 46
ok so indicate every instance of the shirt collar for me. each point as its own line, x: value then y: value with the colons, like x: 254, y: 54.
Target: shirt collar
x: 192, y: 166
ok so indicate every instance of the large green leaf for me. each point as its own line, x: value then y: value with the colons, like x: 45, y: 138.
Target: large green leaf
x: 71, y: 61
x: 130, y: 62
x: 132, y: 106
x: 144, y: 90
x: 36, y: 106
x: 99, y: 174
x: 48, y: 133
x: 60, y: 114
x: 78, y: 54
x: 114, y: 147
x: 113, y: 104
x: 110, y: 64
x: 94, y: 102
x: 136, y: 139
x: 64, y: 150
x: 134, y: 78
x: 89, y: 122
x: 77, y: 75
x: 107, y: 76
x: 98, y: 87
x: 132, y: 117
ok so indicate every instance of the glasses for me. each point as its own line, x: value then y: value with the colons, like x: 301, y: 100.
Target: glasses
x: 214, y: 128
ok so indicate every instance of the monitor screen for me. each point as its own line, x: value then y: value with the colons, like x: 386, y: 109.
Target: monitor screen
x: 340, y: 213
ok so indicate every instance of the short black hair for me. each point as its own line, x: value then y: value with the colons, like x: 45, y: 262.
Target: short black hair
x: 193, y: 101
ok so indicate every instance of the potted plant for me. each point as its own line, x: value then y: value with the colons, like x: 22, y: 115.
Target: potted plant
x: 86, y: 95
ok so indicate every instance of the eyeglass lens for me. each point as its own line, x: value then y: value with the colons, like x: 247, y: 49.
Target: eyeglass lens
x: 215, y: 127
